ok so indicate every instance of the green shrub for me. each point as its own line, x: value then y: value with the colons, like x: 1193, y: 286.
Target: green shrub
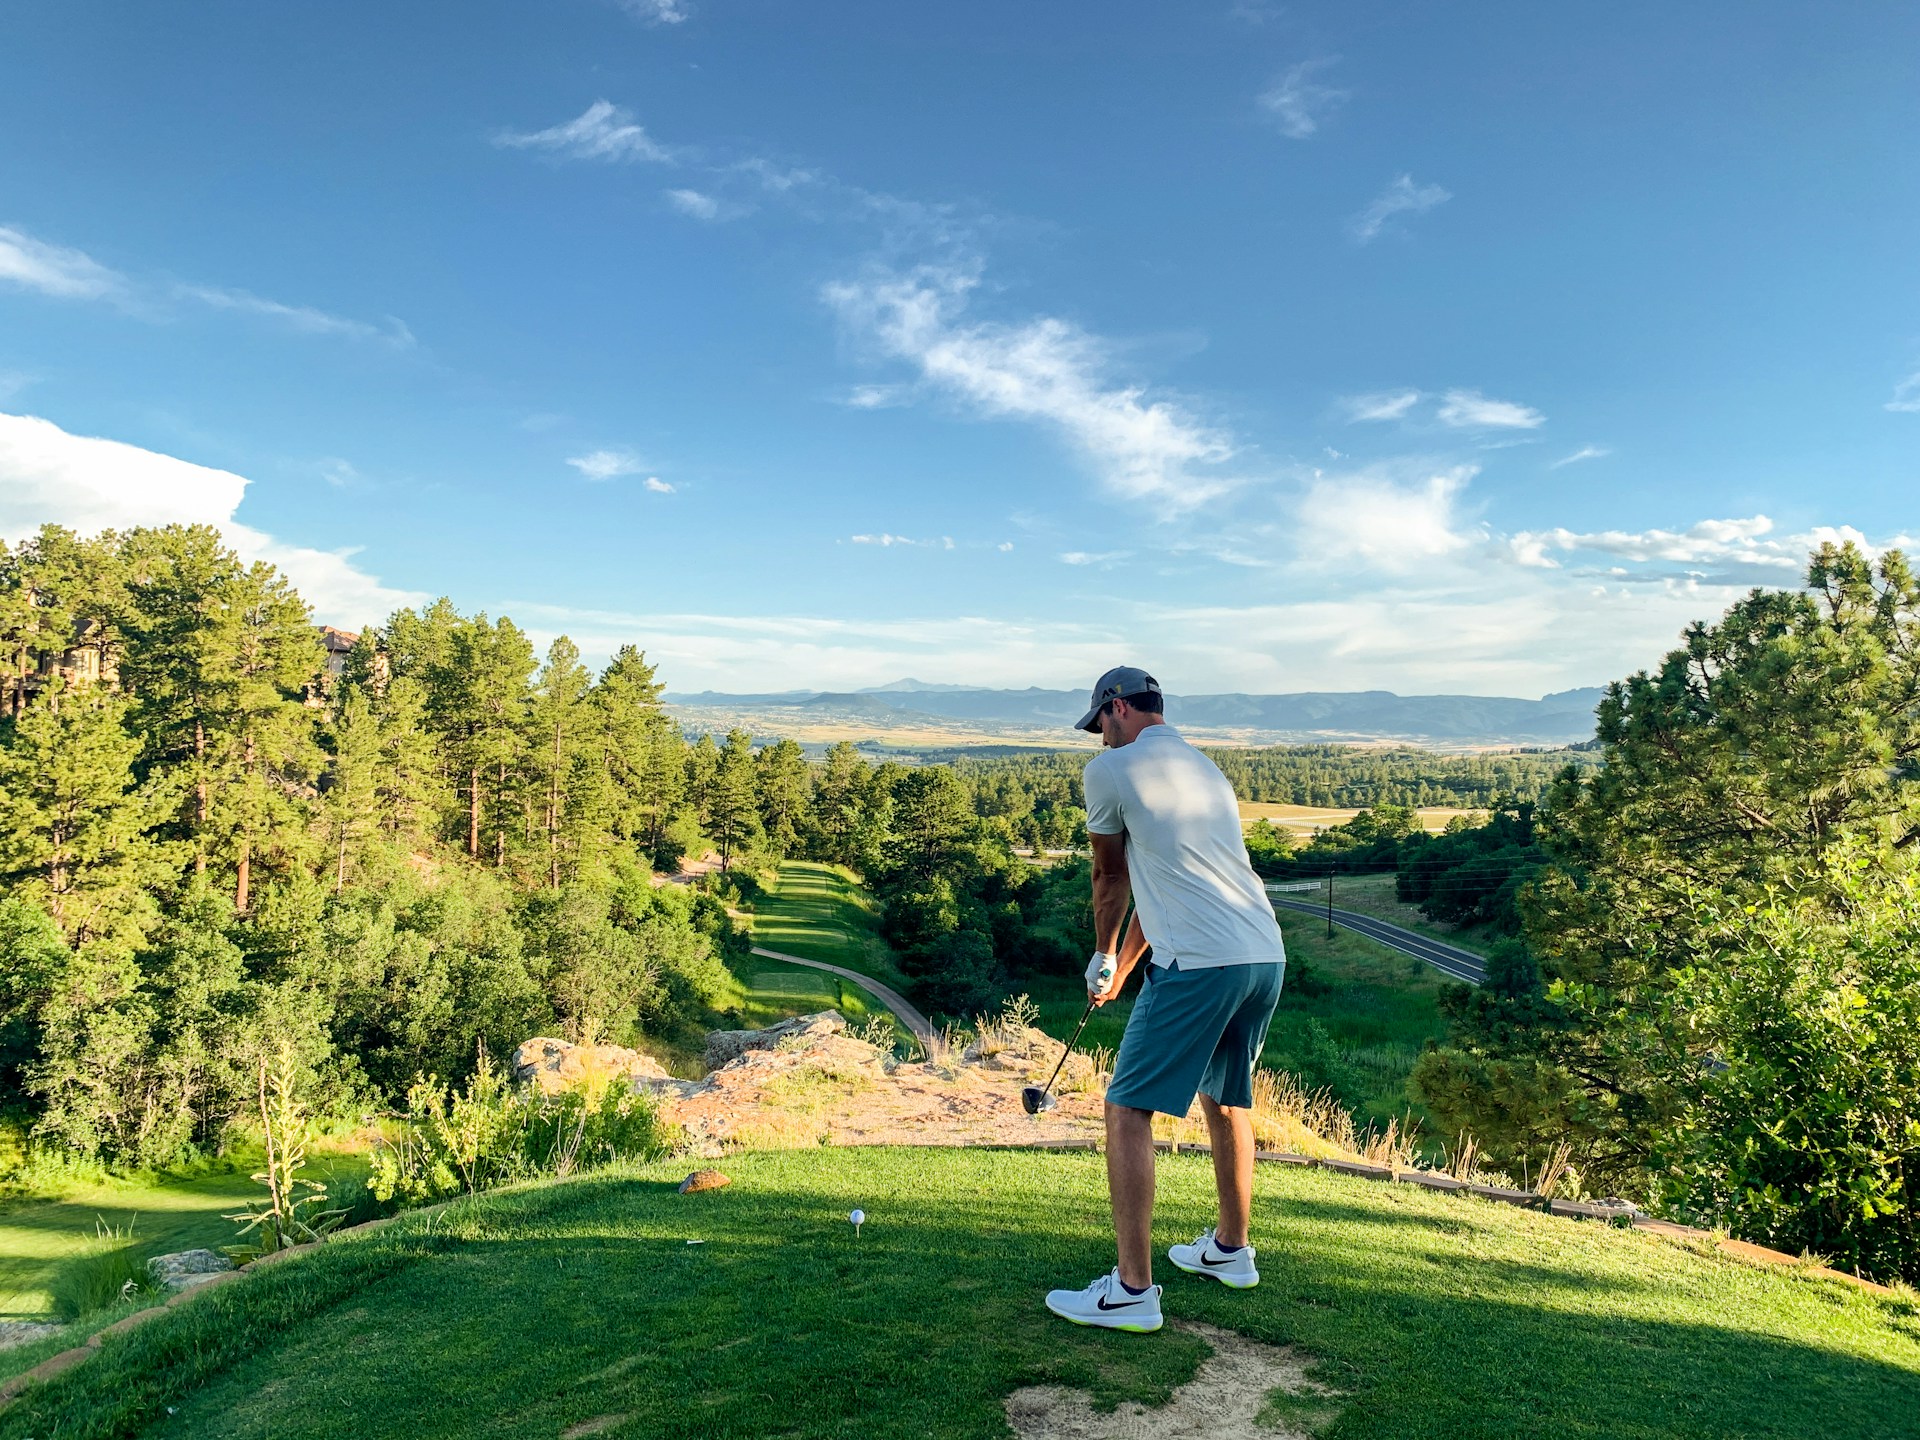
x: 459, y: 1142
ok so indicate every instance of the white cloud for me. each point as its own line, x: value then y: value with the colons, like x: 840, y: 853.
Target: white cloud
x: 1383, y: 405
x: 1402, y: 197
x: 1470, y: 410
x: 1102, y: 558
x: 692, y: 202
x: 1745, y: 541
x: 1046, y: 370
x: 659, y: 12
x: 603, y: 131
x: 1297, y: 103
x: 658, y: 486
x: 877, y: 397
x: 1004, y: 546
x: 302, y: 318
x: 1585, y: 452
x: 1906, y: 395
x: 48, y: 476
x: 598, y: 465
x: 1373, y: 518
x: 886, y: 541
x: 55, y: 270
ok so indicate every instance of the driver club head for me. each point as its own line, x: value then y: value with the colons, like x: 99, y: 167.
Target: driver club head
x: 1034, y: 1099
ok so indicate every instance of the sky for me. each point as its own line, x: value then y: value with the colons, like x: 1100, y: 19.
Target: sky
x: 1274, y: 347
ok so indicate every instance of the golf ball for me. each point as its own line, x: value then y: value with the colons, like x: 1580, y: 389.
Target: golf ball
x: 858, y: 1217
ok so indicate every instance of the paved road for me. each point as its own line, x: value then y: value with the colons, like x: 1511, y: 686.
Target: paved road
x: 892, y: 999
x: 1449, y: 960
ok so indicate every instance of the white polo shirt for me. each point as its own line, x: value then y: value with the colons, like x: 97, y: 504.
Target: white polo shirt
x: 1197, y: 896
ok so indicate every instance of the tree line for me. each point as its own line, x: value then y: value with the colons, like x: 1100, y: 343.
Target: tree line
x: 1704, y: 974
x: 213, y: 843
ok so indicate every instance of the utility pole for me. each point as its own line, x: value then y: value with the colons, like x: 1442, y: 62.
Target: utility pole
x: 1332, y: 865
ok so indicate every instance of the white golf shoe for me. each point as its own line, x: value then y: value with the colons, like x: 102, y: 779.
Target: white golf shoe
x: 1108, y: 1304
x: 1204, y: 1257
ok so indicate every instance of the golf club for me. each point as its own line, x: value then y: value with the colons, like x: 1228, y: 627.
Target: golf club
x: 1036, y: 1098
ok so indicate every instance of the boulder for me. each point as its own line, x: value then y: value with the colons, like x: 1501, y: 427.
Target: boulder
x: 703, y: 1180
x: 556, y: 1065
x: 185, y: 1269
x: 725, y: 1046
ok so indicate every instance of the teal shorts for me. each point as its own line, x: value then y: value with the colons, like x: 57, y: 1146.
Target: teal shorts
x: 1195, y: 1031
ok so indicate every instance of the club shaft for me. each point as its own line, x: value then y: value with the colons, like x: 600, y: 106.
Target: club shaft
x: 1070, y: 1044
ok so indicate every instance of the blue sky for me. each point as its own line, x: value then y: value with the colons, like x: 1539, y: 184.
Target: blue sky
x: 1416, y: 347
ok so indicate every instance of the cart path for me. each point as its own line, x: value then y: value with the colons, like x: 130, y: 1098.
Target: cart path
x: 1449, y: 960
x: 887, y: 996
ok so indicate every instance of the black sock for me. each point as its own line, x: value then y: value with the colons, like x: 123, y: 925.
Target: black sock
x: 1131, y: 1291
x: 1226, y: 1249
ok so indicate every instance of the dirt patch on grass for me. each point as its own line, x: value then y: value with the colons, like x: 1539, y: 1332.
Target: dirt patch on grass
x: 591, y: 1427
x: 1227, y: 1399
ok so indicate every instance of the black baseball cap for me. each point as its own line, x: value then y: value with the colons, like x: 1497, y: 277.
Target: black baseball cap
x: 1118, y: 683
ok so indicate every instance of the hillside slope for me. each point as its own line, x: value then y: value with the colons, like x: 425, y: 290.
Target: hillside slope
x: 581, y: 1307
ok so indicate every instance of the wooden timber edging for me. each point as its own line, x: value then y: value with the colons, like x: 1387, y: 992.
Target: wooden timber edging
x: 1629, y: 1215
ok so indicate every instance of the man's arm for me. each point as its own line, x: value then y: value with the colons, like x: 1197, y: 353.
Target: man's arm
x: 1131, y: 949
x: 1111, y: 889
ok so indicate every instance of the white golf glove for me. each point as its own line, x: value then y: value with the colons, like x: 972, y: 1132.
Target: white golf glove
x: 1100, y: 973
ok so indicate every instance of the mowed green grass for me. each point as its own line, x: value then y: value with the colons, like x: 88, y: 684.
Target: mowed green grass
x: 819, y: 912
x: 771, y: 991
x: 581, y: 1304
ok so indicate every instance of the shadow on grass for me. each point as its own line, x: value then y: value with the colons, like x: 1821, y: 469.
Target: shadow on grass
x: 530, y: 1311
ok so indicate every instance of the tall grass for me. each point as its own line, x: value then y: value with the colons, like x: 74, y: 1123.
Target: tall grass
x: 112, y: 1271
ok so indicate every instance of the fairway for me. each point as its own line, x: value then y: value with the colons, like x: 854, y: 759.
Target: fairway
x: 580, y: 1307
x: 37, y: 1236
x: 820, y: 913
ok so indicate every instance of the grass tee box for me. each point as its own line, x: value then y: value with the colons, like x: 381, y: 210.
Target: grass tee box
x: 580, y: 1308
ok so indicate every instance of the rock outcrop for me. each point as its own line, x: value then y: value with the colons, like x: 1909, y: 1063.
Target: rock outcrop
x: 806, y: 1081
x: 726, y: 1046
x: 556, y: 1065
x: 184, y: 1269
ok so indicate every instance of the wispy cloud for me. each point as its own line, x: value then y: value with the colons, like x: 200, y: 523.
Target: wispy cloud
x: 877, y: 397
x: 49, y: 476
x: 603, y: 131
x: 1045, y: 370
x: 1102, y: 558
x: 1297, y: 102
x: 694, y: 203
x: 54, y: 269
x: 598, y: 465
x: 887, y: 542
x: 303, y: 319
x: 69, y: 274
x: 1402, y: 197
x: 1906, y: 395
x: 657, y: 12
x: 657, y: 485
x: 1585, y: 452
x: 1470, y: 410
x: 1384, y: 405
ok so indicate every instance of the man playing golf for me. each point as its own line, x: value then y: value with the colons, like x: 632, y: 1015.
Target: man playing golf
x: 1165, y: 828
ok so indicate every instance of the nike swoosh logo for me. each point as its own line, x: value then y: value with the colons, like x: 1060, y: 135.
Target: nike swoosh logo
x: 1123, y: 1305
x: 1223, y: 1260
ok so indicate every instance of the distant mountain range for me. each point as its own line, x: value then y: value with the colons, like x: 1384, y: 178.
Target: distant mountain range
x: 1044, y: 716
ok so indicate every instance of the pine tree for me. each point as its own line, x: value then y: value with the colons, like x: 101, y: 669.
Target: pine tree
x: 781, y: 780
x: 733, y: 816
x: 74, y: 824
x: 558, y: 727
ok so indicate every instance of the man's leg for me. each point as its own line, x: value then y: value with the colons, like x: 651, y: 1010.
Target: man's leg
x: 1230, y: 1128
x: 1130, y: 1186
